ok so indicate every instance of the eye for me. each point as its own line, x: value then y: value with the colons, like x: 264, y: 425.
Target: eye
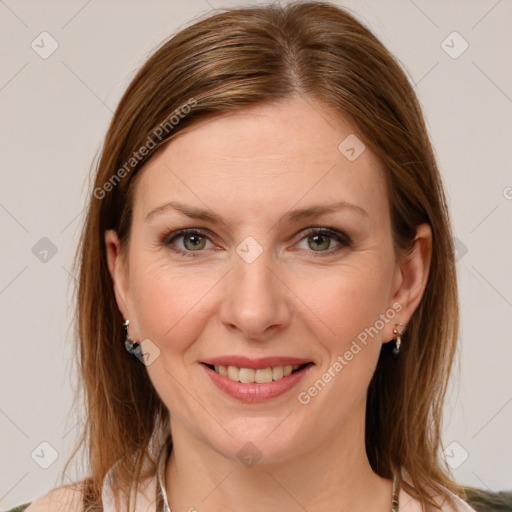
x: 320, y: 240
x: 192, y: 240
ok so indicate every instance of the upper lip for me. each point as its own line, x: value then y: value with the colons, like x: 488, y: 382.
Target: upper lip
x: 257, y: 363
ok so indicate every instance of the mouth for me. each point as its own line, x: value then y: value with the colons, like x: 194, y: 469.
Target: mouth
x: 257, y: 375
x: 252, y: 385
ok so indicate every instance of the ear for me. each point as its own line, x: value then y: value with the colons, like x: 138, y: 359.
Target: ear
x: 118, y: 271
x: 410, y: 279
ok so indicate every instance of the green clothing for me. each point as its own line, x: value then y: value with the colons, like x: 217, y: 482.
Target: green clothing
x: 19, y: 508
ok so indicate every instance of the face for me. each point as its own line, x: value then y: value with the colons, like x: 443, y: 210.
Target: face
x: 264, y: 280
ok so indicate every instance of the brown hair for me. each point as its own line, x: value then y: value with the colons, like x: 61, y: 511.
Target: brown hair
x: 225, y: 62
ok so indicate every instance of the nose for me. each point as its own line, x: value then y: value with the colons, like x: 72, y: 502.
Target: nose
x: 256, y: 298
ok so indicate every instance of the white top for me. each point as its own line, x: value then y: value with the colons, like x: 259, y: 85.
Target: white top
x: 151, y: 494
x: 145, y: 495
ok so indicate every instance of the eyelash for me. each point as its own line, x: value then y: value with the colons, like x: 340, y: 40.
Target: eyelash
x: 341, y: 237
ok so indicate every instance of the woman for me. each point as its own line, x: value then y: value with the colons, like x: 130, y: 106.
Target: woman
x: 267, y: 302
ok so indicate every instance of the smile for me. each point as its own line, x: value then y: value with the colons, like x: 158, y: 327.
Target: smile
x: 256, y: 385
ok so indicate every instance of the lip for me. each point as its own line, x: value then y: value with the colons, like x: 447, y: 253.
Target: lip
x: 255, y: 364
x: 254, y: 392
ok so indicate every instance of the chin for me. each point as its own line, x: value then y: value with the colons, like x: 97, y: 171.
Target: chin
x: 265, y: 441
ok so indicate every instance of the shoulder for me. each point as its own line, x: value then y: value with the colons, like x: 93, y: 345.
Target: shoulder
x: 458, y: 505
x: 60, y: 499
x: 410, y: 504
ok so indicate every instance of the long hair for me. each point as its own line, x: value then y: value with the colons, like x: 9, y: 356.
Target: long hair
x: 220, y: 64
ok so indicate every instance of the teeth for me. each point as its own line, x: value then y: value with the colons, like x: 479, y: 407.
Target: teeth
x: 233, y: 372
x: 246, y: 375
x: 260, y: 376
x: 278, y: 372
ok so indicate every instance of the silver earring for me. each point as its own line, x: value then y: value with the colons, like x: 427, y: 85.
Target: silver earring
x: 398, y: 332
x: 132, y: 347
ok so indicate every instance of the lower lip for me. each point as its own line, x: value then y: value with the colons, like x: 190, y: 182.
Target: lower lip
x: 254, y: 392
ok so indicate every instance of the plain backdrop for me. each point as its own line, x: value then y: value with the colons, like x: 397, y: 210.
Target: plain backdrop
x: 55, y: 109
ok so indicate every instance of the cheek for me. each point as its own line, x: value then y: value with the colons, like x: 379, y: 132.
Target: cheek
x: 349, y: 303
x: 170, y: 305
x: 347, y: 300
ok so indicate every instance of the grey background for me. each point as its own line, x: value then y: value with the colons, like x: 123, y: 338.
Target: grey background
x: 54, y: 113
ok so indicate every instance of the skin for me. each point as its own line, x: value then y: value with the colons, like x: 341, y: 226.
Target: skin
x: 251, y: 168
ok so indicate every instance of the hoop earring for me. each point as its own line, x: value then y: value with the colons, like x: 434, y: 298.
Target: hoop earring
x: 132, y: 347
x: 398, y: 332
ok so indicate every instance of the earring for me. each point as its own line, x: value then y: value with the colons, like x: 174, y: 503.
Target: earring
x: 131, y: 346
x: 398, y: 332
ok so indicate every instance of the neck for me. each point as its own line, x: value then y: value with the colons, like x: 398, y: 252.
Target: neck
x: 335, y: 475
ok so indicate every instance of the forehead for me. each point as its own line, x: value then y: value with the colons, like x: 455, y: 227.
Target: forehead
x: 264, y: 160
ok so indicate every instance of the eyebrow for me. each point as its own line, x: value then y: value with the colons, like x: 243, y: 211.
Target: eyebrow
x: 290, y: 217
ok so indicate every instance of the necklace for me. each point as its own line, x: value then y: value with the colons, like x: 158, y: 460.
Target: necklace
x: 394, y: 498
